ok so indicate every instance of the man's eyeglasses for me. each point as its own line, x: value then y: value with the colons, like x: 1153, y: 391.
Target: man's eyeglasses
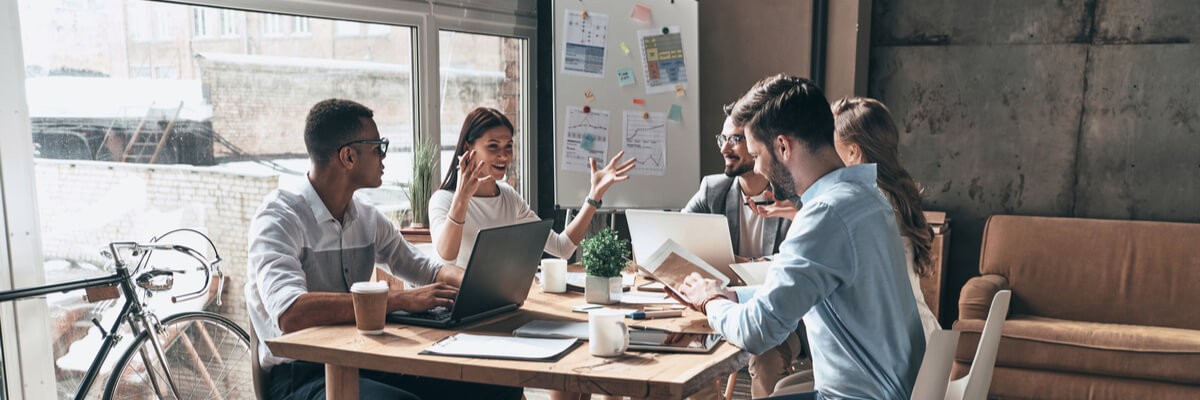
x: 380, y: 151
x: 733, y: 139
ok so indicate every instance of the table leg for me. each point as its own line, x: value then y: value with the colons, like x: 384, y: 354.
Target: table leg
x: 341, y: 383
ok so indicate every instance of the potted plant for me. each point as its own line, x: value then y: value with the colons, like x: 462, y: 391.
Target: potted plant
x: 604, y: 256
x: 420, y: 189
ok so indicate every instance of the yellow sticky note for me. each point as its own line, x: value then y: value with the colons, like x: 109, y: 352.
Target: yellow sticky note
x: 624, y: 48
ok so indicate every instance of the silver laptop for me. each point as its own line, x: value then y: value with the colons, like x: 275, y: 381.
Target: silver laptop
x: 498, y: 277
x: 705, y: 235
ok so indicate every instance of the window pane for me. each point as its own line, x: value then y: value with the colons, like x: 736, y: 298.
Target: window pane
x: 484, y: 71
x: 228, y: 111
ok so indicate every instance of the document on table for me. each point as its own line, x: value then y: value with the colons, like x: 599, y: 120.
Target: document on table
x: 502, y: 347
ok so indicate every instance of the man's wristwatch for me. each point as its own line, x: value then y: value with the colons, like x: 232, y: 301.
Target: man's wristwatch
x: 594, y: 203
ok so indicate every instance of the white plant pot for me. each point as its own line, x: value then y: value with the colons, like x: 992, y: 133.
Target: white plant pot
x: 600, y: 290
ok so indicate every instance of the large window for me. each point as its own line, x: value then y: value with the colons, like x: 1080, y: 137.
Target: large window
x: 484, y: 71
x: 138, y: 126
x: 226, y: 115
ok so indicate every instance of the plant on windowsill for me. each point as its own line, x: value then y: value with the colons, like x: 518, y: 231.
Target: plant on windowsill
x: 420, y: 190
x: 604, y: 256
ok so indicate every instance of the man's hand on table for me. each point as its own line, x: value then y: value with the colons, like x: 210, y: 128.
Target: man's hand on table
x: 697, y: 291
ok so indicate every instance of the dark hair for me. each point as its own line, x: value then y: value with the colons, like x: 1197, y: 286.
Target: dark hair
x: 868, y: 123
x: 330, y: 124
x: 478, y: 121
x: 786, y: 105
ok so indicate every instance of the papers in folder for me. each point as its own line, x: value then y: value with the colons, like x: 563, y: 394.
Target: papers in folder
x: 502, y: 347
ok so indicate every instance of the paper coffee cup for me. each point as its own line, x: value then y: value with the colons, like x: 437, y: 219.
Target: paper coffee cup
x: 370, y: 306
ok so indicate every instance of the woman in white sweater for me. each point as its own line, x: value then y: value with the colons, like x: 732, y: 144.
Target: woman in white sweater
x: 474, y: 196
x: 865, y: 133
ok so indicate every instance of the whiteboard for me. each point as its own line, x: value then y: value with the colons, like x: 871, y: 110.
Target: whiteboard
x: 681, y: 167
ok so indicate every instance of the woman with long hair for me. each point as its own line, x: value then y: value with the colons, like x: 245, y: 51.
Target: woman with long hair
x: 474, y: 196
x: 865, y: 133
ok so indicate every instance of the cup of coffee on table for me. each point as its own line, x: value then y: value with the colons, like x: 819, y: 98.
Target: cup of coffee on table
x: 370, y: 306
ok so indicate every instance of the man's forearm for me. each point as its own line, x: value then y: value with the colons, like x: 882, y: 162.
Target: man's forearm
x: 316, y: 309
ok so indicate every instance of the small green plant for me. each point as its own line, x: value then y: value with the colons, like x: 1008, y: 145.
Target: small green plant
x: 419, y: 191
x: 604, y: 254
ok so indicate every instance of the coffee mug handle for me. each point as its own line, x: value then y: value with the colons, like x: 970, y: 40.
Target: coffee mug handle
x: 624, y: 337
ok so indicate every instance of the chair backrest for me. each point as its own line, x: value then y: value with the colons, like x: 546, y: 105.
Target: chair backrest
x: 935, y: 365
x: 975, y: 385
x: 260, y: 379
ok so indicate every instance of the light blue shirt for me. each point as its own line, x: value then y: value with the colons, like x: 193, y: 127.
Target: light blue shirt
x: 842, y: 270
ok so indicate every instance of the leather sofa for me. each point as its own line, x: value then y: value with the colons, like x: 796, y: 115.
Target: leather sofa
x: 1101, y: 309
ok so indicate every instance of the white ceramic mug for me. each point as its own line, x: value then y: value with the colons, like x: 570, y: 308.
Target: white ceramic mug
x: 607, y: 334
x: 554, y: 275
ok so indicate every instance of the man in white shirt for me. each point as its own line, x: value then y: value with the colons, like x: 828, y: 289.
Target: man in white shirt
x: 310, y: 242
x: 753, y: 235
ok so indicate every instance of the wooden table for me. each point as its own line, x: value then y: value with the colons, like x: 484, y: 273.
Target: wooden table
x: 636, y: 374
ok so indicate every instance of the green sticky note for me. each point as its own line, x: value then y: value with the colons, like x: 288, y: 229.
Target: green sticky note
x: 625, y: 76
x: 624, y: 48
x: 676, y: 113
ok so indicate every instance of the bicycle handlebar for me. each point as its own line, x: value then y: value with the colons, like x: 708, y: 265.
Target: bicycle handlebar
x: 205, y: 264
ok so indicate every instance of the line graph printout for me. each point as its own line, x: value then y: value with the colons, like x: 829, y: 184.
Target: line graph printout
x: 587, y: 137
x: 645, y: 140
x: 584, y: 44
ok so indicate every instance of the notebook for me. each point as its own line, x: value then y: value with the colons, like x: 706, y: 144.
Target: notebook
x: 501, y: 347
x: 497, y: 280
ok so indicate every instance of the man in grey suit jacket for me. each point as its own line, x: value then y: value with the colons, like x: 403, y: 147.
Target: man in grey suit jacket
x: 727, y: 194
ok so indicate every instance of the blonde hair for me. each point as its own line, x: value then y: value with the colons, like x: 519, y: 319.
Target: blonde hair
x: 868, y: 123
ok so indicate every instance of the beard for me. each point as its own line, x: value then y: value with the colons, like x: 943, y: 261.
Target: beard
x: 781, y: 179
x: 737, y: 170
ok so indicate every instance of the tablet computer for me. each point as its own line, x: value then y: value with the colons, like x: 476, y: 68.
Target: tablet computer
x: 657, y: 340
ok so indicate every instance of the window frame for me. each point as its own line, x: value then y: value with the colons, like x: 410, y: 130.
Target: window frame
x: 21, y: 255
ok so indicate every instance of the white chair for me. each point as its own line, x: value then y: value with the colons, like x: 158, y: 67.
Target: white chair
x: 935, y: 365
x: 975, y: 385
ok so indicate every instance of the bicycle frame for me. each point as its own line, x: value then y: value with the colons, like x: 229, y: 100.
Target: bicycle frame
x: 132, y: 311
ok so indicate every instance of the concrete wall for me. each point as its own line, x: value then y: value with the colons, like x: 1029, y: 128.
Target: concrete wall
x: 1071, y: 108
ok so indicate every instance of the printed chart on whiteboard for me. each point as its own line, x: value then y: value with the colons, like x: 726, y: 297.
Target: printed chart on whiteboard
x: 586, y: 37
x: 587, y: 137
x: 646, y: 141
x: 662, y: 60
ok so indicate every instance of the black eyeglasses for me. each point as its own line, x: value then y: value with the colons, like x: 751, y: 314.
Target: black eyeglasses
x: 381, y: 150
x: 734, y: 139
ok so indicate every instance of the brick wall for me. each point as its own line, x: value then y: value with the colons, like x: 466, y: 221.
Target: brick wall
x: 85, y: 204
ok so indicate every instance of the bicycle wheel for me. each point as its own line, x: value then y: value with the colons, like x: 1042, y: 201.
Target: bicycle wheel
x: 207, y: 357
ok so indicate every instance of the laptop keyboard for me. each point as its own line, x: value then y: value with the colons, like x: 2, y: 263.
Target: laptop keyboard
x: 437, y: 313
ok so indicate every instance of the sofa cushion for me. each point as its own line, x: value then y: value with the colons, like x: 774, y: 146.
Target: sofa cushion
x: 1121, y: 272
x: 1143, y: 352
x: 1029, y: 384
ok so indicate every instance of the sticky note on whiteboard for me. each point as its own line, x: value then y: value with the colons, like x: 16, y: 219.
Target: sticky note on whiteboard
x: 641, y: 13
x: 625, y: 77
x: 676, y: 113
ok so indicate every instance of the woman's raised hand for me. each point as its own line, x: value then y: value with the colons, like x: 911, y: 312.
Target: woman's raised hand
x: 613, y: 172
x: 471, y: 173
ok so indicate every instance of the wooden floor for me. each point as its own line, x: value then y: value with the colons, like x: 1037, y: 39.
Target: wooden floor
x: 741, y: 389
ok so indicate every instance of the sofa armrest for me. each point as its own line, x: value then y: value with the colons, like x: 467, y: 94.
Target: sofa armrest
x: 976, y: 298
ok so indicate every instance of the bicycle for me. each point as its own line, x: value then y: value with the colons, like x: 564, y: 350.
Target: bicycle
x: 187, y: 355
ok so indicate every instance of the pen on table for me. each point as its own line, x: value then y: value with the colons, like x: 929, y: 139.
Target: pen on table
x: 655, y: 314
x: 760, y: 203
